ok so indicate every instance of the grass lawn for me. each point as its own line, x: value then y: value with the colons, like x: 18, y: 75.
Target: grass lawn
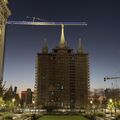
x: 62, y: 117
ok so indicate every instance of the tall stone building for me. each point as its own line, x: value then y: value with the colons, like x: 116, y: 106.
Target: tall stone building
x: 62, y: 77
x: 4, y: 14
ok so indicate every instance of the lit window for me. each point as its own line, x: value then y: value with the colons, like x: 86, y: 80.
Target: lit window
x: 43, y: 77
x: 52, y: 93
x: 61, y: 104
x: 58, y: 86
x: 62, y: 87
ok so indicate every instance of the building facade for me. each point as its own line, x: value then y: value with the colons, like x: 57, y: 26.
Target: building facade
x: 4, y: 14
x: 62, y: 77
x: 26, y: 98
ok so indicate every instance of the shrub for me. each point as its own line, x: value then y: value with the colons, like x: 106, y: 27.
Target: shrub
x: 100, y: 114
x: 118, y: 117
x: 9, y: 117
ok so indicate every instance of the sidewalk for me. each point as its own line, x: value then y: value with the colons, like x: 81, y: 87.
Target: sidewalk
x: 108, y: 118
x: 99, y: 118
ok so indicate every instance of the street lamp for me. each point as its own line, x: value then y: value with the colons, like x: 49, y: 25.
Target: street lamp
x: 13, y: 100
x: 111, y: 105
x: 91, y: 102
x: 33, y: 104
x: 110, y: 100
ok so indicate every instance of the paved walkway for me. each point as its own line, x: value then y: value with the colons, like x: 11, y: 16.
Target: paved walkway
x: 99, y: 118
x: 108, y: 118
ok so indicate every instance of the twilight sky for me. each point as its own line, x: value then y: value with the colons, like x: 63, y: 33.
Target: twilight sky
x: 101, y: 38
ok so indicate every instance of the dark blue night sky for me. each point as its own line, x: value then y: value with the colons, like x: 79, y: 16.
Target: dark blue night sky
x: 101, y: 38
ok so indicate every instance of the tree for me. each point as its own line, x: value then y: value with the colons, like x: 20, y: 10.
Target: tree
x: 110, y: 104
x: 1, y: 102
x: 2, y: 88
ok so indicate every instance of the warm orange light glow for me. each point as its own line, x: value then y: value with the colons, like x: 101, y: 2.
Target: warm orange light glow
x: 91, y: 102
x: 13, y: 100
x: 33, y: 102
x: 110, y: 100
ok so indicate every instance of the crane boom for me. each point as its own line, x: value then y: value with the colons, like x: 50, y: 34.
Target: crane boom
x: 110, y: 78
x: 47, y: 23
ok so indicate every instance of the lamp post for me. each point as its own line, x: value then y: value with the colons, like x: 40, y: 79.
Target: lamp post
x: 33, y: 104
x: 13, y: 101
x: 91, y: 103
x: 111, y: 105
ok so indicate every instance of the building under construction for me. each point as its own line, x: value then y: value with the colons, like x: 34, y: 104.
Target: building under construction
x: 4, y: 14
x: 62, y: 77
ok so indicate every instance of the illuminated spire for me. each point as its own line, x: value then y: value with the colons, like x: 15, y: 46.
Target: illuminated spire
x: 6, y: 1
x: 80, y: 47
x: 62, y: 39
x: 45, y: 46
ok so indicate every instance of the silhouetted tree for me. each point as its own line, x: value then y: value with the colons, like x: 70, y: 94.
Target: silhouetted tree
x: 2, y: 88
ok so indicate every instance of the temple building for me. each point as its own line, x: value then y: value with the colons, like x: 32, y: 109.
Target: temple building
x: 62, y: 77
x: 4, y: 14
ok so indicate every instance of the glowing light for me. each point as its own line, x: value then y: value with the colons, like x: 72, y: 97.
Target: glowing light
x: 13, y: 100
x: 91, y: 102
x: 110, y: 100
x: 62, y: 39
x: 33, y: 102
x: 0, y: 31
x: 6, y: 1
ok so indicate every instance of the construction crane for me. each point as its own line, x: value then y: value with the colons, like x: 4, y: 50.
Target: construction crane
x: 110, y: 78
x: 38, y: 21
x: 35, y: 18
x: 113, y: 93
x: 47, y: 23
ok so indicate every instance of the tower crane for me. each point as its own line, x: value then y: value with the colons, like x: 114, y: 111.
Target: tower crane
x: 114, y: 92
x: 35, y: 18
x: 37, y: 21
x: 110, y: 78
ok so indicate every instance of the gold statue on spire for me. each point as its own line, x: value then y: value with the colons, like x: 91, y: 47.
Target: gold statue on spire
x: 62, y: 39
x: 80, y: 46
x: 45, y: 46
x: 6, y: 1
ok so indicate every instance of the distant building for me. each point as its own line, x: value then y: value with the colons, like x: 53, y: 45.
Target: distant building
x: 62, y: 77
x: 23, y: 98
x: 29, y: 97
x: 26, y: 97
x: 113, y: 94
x: 97, y: 96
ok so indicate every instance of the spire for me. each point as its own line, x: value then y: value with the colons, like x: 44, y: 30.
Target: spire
x: 45, y: 46
x: 62, y: 39
x: 80, y: 47
x: 6, y: 1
